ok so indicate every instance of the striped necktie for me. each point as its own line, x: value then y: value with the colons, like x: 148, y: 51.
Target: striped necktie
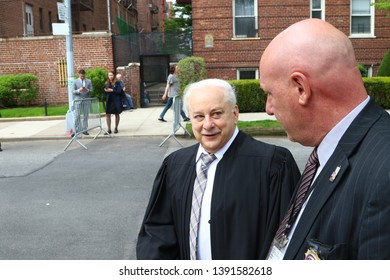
x: 292, y: 213
x: 197, y: 196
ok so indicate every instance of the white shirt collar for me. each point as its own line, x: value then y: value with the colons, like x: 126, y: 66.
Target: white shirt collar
x: 329, y: 143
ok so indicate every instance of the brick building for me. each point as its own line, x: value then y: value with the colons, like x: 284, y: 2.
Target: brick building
x: 21, y: 18
x: 27, y: 44
x: 231, y: 35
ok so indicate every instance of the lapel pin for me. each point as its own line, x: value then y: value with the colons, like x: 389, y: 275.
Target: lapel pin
x: 334, y: 174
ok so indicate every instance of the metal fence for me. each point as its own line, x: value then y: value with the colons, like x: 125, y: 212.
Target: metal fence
x: 130, y: 47
x: 86, y: 117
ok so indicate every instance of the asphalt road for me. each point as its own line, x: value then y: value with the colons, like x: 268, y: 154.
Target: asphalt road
x: 82, y: 204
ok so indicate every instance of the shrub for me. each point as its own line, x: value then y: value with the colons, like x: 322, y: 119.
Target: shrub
x: 250, y: 97
x: 18, y: 90
x: 192, y: 69
x: 379, y: 89
x: 363, y: 70
x: 384, y: 68
x: 98, y: 77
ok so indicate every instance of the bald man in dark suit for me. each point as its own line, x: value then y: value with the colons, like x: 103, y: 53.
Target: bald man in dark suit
x: 316, y: 91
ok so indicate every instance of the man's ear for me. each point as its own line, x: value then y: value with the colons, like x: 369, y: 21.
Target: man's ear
x: 301, y: 83
x: 236, y: 113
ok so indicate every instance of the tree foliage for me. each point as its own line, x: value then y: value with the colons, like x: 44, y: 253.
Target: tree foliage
x: 382, y: 5
x: 180, y: 20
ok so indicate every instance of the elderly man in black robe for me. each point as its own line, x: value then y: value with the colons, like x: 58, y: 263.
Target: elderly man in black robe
x: 245, y: 190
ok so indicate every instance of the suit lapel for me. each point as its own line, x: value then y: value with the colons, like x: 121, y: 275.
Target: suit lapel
x: 323, y: 189
x: 329, y: 178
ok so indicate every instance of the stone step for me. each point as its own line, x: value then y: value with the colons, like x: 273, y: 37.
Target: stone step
x: 155, y: 93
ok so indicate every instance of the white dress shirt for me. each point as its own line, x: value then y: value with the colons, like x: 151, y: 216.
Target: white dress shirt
x: 204, y: 240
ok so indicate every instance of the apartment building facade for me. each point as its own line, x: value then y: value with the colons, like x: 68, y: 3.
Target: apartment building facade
x: 22, y: 18
x: 231, y: 35
x: 27, y: 43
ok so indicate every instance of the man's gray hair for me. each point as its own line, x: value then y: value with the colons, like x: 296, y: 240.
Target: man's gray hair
x: 227, y: 88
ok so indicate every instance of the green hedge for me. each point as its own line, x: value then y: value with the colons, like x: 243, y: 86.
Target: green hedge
x: 18, y: 90
x: 379, y: 89
x: 251, y: 98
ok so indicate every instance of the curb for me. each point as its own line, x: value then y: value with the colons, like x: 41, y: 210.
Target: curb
x: 43, y: 118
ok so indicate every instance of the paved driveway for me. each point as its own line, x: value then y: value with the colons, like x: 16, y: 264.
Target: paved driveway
x: 81, y: 204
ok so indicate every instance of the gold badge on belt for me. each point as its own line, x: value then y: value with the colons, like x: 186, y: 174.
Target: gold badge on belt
x: 311, y: 255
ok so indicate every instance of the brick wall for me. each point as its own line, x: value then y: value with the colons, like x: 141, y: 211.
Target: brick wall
x: 40, y: 55
x: 97, y: 20
x: 147, y: 19
x: 12, y: 14
x: 6, y: 17
x: 216, y: 18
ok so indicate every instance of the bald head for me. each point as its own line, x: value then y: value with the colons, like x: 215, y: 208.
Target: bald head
x: 312, y: 46
x: 310, y: 73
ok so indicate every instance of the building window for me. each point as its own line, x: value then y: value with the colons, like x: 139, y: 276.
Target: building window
x: 317, y: 8
x: 50, y: 22
x: 362, y: 18
x: 29, y: 29
x: 247, y: 74
x: 245, y: 22
x: 41, y: 28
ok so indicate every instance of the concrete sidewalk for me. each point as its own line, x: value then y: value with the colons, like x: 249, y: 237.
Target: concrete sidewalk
x: 139, y: 122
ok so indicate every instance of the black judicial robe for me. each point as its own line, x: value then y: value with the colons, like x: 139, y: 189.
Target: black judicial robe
x: 253, y: 185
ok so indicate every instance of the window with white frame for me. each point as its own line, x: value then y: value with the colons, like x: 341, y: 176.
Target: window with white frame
x: 362, y: 18
x: 247, y: 73
x: 317, y: 8
x: 245, y: 18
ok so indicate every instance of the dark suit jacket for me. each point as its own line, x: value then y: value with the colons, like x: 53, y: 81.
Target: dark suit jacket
x: 253, y: 184
x: 349, y: 218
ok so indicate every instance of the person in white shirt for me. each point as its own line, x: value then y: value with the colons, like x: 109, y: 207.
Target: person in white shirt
x: 82, y: 88
x: 248, y: 187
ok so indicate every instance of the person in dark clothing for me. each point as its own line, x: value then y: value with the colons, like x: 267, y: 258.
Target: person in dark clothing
x: 346, y: 211
x: 127, y: 101
x: 246, y: 195
x: 113, y: 90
